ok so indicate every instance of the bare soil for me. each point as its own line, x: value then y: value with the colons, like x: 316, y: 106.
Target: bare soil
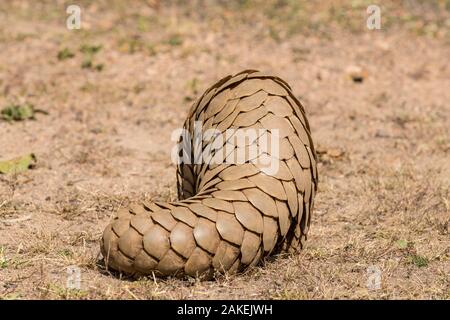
x: 384, y: 143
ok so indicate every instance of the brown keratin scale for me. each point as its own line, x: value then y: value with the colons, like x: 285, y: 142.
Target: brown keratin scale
x: 229, y: 216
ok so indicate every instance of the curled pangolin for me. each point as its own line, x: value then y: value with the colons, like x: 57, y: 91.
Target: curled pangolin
x: 229, y: 215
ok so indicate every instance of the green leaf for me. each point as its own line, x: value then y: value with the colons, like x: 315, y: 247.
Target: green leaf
x: 402, y: 244
x: 90, y: 49
x: 65, y: 54
x: 17, y: 165
x: 99, y: 67
x: 18, y: 112
x: 87, y: 64
x: 418, y: 261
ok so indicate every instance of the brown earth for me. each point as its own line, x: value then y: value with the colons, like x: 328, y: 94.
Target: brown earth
x: 384, y: 143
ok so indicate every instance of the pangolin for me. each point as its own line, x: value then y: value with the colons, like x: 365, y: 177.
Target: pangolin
x: 230, y: 214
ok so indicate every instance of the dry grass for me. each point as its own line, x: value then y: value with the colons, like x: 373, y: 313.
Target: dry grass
x: 384, y: 147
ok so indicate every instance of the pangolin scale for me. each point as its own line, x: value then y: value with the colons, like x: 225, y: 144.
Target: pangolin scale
x: 229, y: 215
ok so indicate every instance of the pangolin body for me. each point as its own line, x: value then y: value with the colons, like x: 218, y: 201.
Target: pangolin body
x: 229, y: 215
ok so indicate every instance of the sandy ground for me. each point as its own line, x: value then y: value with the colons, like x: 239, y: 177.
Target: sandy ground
x: 382, y: 210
